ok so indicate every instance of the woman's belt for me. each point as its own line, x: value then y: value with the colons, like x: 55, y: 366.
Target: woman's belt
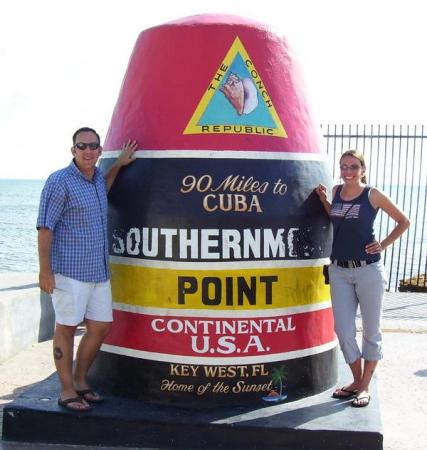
x: 351, y: 264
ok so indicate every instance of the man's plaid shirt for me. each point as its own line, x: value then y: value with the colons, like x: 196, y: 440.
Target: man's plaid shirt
x: 75, y: 209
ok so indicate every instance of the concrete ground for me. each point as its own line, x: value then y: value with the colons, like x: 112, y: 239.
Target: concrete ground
x: 402, y: 376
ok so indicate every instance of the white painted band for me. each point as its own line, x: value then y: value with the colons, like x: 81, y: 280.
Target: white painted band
x: 223, y: 154
x: 207, y: 313
x: 216, y: 265
x: 218, y: 361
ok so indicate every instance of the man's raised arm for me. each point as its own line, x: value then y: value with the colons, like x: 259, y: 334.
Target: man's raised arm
x: 126, y: 157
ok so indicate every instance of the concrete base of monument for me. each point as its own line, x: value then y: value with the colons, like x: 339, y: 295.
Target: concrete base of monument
x: 318, y: 422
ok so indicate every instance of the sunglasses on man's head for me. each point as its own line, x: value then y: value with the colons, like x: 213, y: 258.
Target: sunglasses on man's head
x: 84, y: 146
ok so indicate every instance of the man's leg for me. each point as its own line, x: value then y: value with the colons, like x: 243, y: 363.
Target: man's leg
x: 90, y: 343
x: 98, y: 318
x: 63, y: 345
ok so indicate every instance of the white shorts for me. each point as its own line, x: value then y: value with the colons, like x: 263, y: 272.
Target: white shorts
x: 75, y: 300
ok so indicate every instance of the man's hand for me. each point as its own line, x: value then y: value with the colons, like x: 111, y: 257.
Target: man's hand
x: 46, y: 277
x: 47, y: 282
x: 126, y: 157
x: 128, y: 153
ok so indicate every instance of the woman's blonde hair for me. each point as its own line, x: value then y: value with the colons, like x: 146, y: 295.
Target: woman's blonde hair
x: 358, y: 155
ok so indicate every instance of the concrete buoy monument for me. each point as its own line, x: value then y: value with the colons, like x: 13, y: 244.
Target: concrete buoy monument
x: 217, y: 241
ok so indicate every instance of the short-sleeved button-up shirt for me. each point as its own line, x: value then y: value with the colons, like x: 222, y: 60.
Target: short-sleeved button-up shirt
x: 75, y: 209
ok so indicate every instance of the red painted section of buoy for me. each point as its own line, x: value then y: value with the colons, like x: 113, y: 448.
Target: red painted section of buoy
x: 170, y: 69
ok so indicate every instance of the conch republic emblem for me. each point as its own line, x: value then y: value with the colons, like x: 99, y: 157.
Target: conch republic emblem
x: 217, y: 241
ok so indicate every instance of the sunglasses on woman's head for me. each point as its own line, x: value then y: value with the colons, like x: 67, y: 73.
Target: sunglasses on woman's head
x: 351, y: 167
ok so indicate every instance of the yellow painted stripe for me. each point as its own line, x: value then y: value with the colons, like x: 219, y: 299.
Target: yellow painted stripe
x: 159, y: 288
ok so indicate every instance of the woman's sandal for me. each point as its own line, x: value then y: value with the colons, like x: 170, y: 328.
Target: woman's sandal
x: 361, y: 400
x: 67, y: 404
x: 90, y: 395
x: 344, y: 393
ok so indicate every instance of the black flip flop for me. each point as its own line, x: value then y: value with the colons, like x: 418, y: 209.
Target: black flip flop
x: 84, y: 392
x: 67, y: 404
x: 348, y: 393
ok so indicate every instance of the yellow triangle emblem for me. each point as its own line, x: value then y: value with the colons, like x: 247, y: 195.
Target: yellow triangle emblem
x: 236, y: 100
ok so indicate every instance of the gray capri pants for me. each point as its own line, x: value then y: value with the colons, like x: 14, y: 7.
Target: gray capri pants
x: 351, y: 287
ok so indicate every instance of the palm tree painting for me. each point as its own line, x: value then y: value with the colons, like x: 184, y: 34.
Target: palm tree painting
x: 278, y: 377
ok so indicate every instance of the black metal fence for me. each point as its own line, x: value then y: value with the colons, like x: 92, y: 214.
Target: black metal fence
x: 396, y: 161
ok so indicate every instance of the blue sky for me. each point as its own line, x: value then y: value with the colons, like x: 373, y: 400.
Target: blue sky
x: 62, y: 64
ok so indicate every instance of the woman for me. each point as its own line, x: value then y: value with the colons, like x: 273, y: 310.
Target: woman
x: 356, y: 273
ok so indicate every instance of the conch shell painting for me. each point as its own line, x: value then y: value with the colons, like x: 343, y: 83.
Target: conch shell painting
x: 241, y: 93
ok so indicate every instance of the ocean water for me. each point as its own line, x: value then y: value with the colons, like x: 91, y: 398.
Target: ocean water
x: 19, y: 201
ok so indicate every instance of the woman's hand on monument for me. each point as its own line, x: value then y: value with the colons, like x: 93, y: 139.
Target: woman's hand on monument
x: 321, y: 192
x: 323, y: 197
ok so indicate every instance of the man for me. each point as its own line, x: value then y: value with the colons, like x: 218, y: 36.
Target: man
x: 73, y: 256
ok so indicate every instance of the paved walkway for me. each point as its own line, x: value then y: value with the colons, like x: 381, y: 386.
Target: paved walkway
x: 402, y: 376
x: 405, y: 311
